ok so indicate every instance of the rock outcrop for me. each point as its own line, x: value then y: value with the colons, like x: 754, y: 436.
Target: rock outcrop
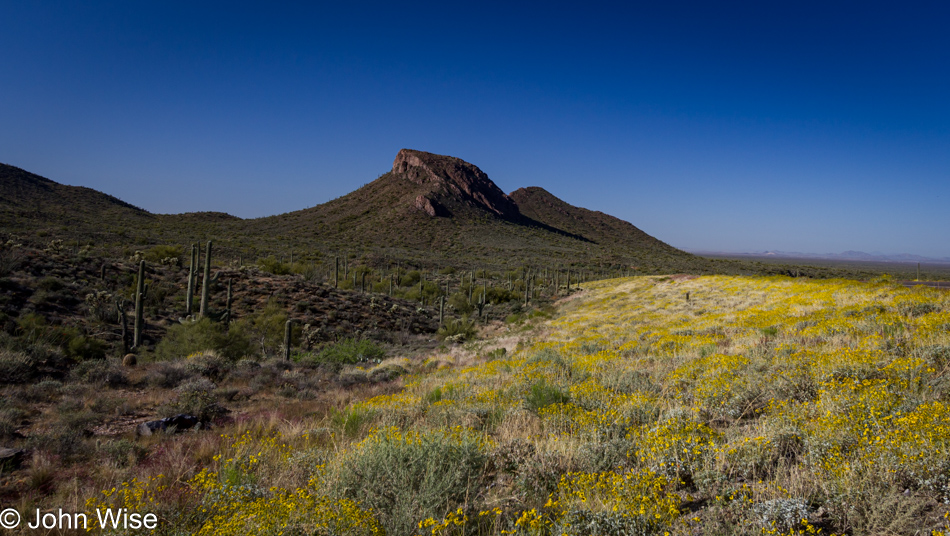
x: 451, y: 178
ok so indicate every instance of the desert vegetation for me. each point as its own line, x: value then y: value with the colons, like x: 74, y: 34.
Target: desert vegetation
x: 647, y: 405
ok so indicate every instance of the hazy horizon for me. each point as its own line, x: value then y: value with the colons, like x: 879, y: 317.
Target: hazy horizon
x: 712, y: 127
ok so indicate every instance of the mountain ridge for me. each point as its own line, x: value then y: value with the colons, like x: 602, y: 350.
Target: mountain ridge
x: 428, y: 207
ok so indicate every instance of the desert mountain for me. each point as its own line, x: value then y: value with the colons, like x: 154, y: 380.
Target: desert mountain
x: 27, y: 198
x: 427, y: 208
x: 539, y: 205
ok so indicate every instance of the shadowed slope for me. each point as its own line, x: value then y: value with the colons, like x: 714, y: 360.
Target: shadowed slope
x: 603, y: 229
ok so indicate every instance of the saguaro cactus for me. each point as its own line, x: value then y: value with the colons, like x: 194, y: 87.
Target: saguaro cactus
x: 120, y: 307
x: 288, y: 330
x: 140, y: 290
x: 228, y: 303
x: 527, y: 288
x: 192, y: 277
x: 206, y: 281
x: 336, y: 272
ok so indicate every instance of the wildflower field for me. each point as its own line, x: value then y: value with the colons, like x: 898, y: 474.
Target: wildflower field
x: 648, y: 405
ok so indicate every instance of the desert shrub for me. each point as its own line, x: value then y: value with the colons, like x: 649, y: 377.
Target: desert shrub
x: 387, y: 371
x: 208, y: 364
x: 511, y: 456
x: 604, y: 456
x: 167, y: 375
x: 82, y: 348
x: 626, y: 380
x: 267, y: 327
x: 459, y: 303
x: 605, y: 524
x: 43, y: 391
x: 542, y: 394
x: 50, y: 284
x: 352, y: 375
x: 411, y: 277
x: 101, y: 373
x: 195, y: 397
x: 938, y: 355
x: 782, y: 514
x: 10, y: 260
x: 185, y: 339
x: 457, y: 330
x: 498, y: 295
x: 10, y: 419
x: 64, y: 441
x: 407, y: 476
x: 66, y: 437
x: 16, y: 367
x: 193, y: 337
x: 165, y: 254
x: 540, y: 474
x: 347, y: 351
x: 272, y: 265
x: 914, y: 310
x: 31, y: 326
x: 676, y: 447
x: 351, y: 421
x: 122, y: 452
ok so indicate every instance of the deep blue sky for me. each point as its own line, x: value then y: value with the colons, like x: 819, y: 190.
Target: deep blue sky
x: 797, y: 126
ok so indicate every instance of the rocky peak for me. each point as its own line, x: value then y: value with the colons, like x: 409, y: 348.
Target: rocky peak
x: 450, y: 177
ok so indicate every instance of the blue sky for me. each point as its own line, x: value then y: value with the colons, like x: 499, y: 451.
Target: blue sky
x: 796, y: 126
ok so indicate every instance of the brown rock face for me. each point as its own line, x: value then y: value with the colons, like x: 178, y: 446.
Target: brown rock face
x: 424, y: 204
x: 455, y: 178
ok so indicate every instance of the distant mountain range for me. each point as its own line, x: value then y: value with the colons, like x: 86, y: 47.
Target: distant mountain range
x: 844, y: 256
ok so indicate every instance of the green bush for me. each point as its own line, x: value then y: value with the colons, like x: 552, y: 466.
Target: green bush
x: 31, y: 326
x: 50, y: 284
x: 405, y: 478
x: 410, y: 278
x: 82, y: 348
x: 158, y: 254
x: 351, y: 421
x: 459, y: 302
x: 267, y: 326
x: 186, y: 339
x: 542, y: 394
x: 347, y: 352
x: 272, y: 265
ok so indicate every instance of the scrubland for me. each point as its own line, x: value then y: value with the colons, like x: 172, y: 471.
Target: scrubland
x: 648, y: 405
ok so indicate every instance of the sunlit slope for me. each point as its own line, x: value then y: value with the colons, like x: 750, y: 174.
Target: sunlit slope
x: 755, y: 406
x: 767, y: 400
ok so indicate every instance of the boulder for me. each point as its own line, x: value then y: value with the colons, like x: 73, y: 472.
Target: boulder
x: 11, y: 459
x: 178, y: 423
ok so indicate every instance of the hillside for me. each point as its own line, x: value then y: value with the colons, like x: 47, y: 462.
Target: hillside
x: 438, y: 208
x: 541, y: 206
x: 429, y: 211
x: 28, y: 200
